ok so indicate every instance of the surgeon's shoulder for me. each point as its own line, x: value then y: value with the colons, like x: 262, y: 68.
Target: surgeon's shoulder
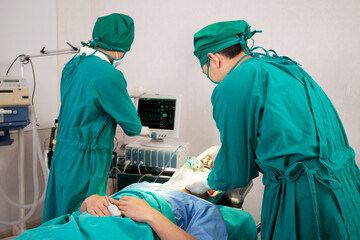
x: 108, y: 71
x: 105, y: 73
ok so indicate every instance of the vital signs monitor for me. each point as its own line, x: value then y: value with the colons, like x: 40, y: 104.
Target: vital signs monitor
x: 161, y: 113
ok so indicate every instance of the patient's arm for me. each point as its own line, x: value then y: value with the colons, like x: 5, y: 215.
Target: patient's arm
x: 140, y: 211
x: 96, y: 205
x: 209, y: 193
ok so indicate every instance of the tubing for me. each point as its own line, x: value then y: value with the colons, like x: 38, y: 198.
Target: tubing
x: 36, y: 156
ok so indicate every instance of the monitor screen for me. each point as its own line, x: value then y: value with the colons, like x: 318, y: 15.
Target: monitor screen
x: 157, y: 113
x: 160, y: 113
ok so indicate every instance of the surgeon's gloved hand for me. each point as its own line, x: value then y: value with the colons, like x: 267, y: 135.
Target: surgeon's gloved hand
x: 137, y: 92
x: 208, y: 156
x: 198, y: 183
x: 145, y: 131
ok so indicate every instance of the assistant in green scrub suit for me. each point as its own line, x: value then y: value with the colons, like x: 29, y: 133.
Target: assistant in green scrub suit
x: 273, y: 118
x: 94, y: 99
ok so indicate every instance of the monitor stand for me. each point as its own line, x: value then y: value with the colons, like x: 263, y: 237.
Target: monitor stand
x: 158, y: 143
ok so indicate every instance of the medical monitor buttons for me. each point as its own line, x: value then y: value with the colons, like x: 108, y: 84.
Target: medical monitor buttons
x: 153, y: 135
x: 134, y: 156
x: 147, y: 157
x: 128, y: 154
x: 154, y: 158
x: 141, y: 155
x: 160, y: 159
x: 161, y: 135
x: 167, y: 159
x: 160, y: 155
x: 173, y: 159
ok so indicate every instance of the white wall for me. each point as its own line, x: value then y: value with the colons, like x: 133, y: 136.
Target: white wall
x: 26, y: 27
x: 321, y: 35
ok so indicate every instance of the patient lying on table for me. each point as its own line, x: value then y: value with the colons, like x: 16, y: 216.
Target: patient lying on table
x: 150, y: 211
x: 191, y: 218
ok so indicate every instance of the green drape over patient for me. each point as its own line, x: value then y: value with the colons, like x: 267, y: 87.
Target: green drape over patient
x: 86, y: 226
x: 275, y: 119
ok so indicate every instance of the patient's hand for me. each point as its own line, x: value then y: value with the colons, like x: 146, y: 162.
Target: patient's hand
x: 207, y: 170
x: 209, y: 193
x: 208, y: 156
x: 212, y: 193
x: 139, y: 210
x: 136, y: 209
x: 96, y: 205
x: 207, y: 161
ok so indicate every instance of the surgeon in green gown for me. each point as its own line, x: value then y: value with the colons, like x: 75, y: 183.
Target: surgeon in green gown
x: 94, y: 99
x: 273, y: 118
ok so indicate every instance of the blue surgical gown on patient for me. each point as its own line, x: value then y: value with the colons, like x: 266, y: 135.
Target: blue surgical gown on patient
x: 94, y: 100
x: 198, y: 217
x: 274, y: 118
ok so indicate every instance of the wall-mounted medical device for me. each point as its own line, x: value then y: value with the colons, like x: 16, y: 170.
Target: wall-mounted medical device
x: 14, y: 102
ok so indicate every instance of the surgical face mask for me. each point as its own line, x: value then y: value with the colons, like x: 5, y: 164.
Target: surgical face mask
x: 114, y: 61
x: 117, y: 61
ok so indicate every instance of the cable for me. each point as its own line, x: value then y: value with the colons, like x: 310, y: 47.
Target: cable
x: 33, y: 93
x: 37, y: 155
x: 164, y: 168
x: 25, y: 61
x: 114, y: 158
x: 116, y: 144
x: 127, y: 163
x: 52, y: 137
x: 171, y: 156
x: 117, y: 169
x: 148, y: 174
x: 22, y: 55
x: 139, y: 167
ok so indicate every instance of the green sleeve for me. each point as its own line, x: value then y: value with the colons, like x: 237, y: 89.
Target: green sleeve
x: 113, y: 98
x: 237, y: 106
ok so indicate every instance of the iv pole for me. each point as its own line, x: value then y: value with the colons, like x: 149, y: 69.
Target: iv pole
x: 21, y: 171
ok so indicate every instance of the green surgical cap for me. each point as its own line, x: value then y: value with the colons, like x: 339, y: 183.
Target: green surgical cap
x: 114, y: 32
x: 218, y: 36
